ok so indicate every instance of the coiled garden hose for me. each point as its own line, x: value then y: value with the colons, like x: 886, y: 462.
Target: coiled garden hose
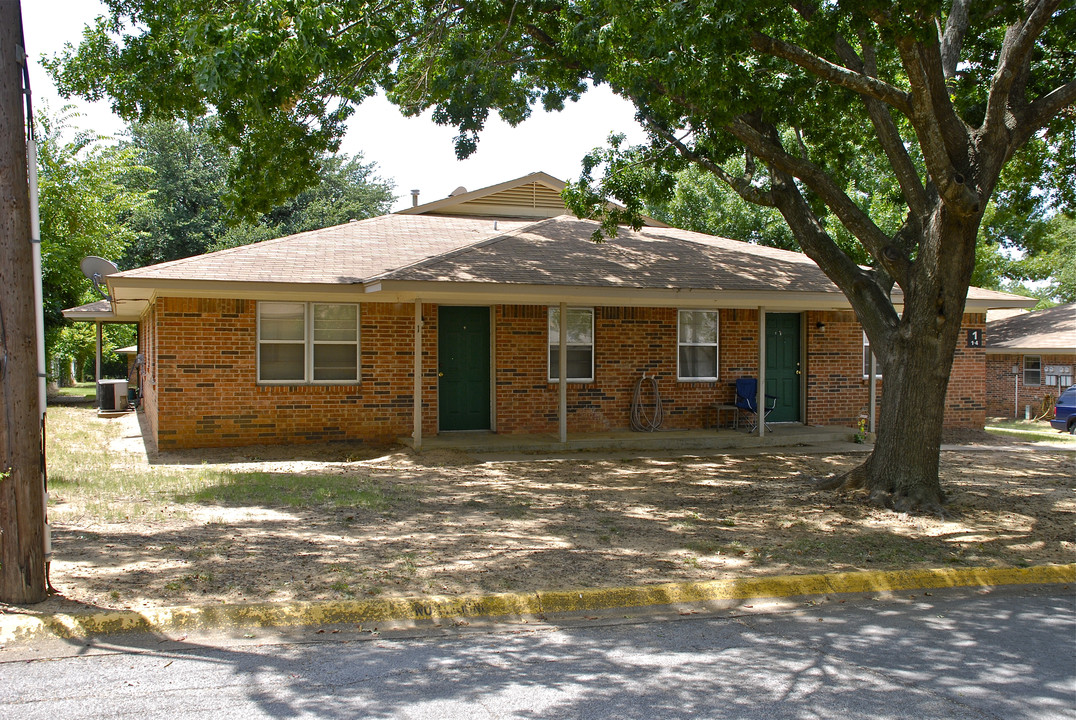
x: 640, y: 420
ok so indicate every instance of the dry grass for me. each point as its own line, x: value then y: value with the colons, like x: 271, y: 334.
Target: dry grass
x: 200, y: 528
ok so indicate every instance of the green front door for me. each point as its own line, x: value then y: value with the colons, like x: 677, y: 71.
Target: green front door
x: 783, y: 365
x: 463, y: 368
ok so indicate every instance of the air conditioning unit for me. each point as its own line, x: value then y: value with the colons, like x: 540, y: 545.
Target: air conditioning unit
x: 112, y: 395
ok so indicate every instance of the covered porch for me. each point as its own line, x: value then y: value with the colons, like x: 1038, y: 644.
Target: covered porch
x: 704, y: 440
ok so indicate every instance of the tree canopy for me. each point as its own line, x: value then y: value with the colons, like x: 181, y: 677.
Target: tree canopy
x: 84, y: 204
x: 184, y: 172
x: 786, y: 103
x: 185, y: 169
x: 1024, y: 244
x: 158, y: 195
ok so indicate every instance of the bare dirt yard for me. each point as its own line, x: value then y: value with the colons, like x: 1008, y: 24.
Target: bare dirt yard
x: 333, y: 522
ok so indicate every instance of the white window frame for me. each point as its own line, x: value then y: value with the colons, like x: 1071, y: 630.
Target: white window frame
x: 716, y: 345
x: 553, y: 344
x: 1037, y: 369
x: 308, y: 345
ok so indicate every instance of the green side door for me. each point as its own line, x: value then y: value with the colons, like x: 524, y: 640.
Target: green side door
x: 463, y: 368
x: 783, y: 365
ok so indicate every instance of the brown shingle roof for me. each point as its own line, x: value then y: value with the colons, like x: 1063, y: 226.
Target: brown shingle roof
x: 347, y: 253
x: 1043, y: 330
x: 97, y: 310
x: 559, y: 251
x: 552, y: 252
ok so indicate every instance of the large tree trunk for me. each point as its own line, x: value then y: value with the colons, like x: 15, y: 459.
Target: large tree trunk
x: 902, y: 472
x: 917, y: 357
x: 22, y: 511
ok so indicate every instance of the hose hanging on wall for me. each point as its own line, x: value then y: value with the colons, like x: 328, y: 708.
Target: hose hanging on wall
x: 1046, y: 408
x: 640, y: 422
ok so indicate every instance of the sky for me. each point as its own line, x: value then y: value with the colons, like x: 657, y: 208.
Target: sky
x: 413, y: 153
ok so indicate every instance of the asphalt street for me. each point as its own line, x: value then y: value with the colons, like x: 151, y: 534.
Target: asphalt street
x: 1008, y: 653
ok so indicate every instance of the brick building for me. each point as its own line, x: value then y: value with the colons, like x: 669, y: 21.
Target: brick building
x: 1030, y: 359
x: 473, y: 312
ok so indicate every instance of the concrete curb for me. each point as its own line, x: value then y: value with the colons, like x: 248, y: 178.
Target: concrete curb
x: 21, y: 628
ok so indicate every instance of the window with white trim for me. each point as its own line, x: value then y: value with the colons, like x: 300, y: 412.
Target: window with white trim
x: 308, y: 342
x: 697, y: 345
x: 1032, y: 370
x: 580, y: 333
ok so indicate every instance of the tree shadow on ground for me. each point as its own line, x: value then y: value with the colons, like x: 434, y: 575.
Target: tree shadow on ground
x: 371, y: 530
x: 956, y: 657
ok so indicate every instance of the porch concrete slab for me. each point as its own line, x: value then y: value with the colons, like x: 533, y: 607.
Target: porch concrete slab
x: 782, y: 435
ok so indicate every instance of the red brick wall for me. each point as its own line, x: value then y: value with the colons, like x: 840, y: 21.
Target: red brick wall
x: 200, y: 384
x: 965, y: 401
x: 208, y: 394
x: 1002, y: 384
x: 838, y: 394
x: 628, y: 342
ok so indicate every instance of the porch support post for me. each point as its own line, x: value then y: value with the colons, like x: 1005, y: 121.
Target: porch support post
x: 416, y: 433
x: 562, y: 356
x: 874, y: 389
x: 1016, y: 392
x: 97, y: 364
x: 761, y: 399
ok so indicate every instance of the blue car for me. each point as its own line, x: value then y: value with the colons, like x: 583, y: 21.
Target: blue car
x: 1065, y: 412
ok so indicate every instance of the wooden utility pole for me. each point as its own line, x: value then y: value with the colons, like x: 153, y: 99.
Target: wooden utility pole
x: 22, y: 492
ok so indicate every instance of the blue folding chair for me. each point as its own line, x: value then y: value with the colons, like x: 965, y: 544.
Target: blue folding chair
x: 747, y: 402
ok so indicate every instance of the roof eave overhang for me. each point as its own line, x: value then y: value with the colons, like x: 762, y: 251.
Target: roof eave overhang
x: 996, y: 350
x: 983, y: 304
x: 104, y: 316
x: 520, y: 294
x: 131, y: 296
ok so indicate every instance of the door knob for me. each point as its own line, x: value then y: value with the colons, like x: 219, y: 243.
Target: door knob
x: 440, y: 374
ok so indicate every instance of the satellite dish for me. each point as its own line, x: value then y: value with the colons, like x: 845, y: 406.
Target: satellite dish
x: 96, y: 269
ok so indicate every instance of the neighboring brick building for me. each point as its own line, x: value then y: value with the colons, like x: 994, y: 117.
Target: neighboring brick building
x: 313, y: 337
x: 1030, y: 359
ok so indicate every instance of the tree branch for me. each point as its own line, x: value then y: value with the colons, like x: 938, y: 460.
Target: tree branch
x: 859, y: 285
x: 943, y: 136
x: 1038, y: 113
x: 741, y: 185
x: 850, y: 80
x: 884, y: 127
x: 1015, y: 53
x: 850, y: 214
x: 952, y: 39
x: 886, y: 130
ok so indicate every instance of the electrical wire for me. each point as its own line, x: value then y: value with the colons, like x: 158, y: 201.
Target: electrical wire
x: 640, y: 421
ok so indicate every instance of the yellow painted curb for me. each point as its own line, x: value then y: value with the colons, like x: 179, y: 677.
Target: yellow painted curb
x: 19, y: 627
x: 789, y: 585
